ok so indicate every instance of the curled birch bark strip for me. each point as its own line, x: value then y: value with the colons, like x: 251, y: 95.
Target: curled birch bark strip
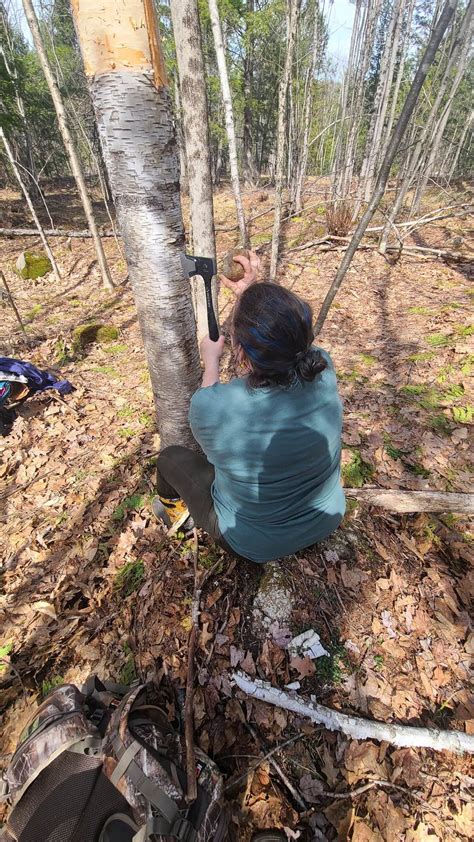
x: 359, y: 729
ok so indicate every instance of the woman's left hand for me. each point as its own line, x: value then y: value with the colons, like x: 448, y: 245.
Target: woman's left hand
x: 211, y: 352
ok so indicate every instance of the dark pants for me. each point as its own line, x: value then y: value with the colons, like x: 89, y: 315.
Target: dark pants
x: 181, y: 472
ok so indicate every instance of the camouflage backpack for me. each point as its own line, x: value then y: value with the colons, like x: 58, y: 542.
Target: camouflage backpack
x: 89, y: 755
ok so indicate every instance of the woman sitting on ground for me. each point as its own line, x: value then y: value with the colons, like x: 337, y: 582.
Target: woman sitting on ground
x: 269, y: 482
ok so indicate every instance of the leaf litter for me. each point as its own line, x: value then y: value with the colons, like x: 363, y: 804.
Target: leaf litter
x: 91, y: 584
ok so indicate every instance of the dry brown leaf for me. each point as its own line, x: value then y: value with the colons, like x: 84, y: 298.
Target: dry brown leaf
x: 361, y: 760
x: 363, y: 833
x: 311, y: 789
x: 303, y: 666
x: 352, y: 577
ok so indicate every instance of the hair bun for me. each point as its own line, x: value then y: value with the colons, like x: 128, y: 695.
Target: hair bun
x: 309, y: 363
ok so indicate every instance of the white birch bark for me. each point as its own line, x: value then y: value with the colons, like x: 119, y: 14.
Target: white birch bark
x: 399, y: 76
x: 192, y: 87
x: 129, y: 91
x: 31, y: 207
x: 293, y: 7
x: 229, y: 117
x: 354, y: 726
x: 74, y: 161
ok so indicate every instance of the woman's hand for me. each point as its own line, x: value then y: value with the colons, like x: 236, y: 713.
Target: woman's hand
x: 250, y: 267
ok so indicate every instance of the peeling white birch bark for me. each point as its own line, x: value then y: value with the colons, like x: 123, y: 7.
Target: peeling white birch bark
x: 359, y: 729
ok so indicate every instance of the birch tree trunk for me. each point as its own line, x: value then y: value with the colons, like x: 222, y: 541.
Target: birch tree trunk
x: 399, y: 76
x: 67, y: 140
x: 293, y: 7
x: 194, y: 109
x: 183, y: 167
x: 24, y: 190
x: 129, y: 91
x: 399, y: 131
x: 229, y: 117
x: 297, y: 201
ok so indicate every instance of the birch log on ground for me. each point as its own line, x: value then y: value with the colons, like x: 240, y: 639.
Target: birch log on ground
x: 353, y: 726
x: 382, y: 178
x: 129, y: 91
x: 414, y: 501
x: 40, y: 231
x: 229, y: 117
x: 293, y: 7
x: 192, y: 86
x: 68, y: 141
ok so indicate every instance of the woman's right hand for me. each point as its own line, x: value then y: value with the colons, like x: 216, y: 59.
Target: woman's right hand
x: 250, y: 267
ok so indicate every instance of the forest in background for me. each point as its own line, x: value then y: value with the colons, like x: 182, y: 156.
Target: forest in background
x: 90, y: 582
x: 343, y: 132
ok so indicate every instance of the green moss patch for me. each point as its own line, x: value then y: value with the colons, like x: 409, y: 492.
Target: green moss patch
x: 439, y: 340
x: 87, y: 334
x: 357, y: 472
x: 33, y: 264
x: 129, y: 577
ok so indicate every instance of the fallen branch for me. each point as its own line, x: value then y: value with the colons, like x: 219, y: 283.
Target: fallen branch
x: 414, y: 501
x: 51, y: 232
x: 12, y: 302
x: 298, y: 798
x: 353, y: 726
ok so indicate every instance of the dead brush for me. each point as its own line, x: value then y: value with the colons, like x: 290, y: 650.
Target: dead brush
x: 339, y: 217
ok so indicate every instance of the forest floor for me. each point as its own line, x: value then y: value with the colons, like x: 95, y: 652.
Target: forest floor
x: 90, y: 585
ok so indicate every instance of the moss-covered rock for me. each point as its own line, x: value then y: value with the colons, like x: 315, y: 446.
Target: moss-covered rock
x: 231, y: 268
x: 84, y: 335
x: 33, y: 264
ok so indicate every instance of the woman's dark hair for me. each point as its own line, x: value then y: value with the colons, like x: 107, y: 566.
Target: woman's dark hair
x: 275, y: 329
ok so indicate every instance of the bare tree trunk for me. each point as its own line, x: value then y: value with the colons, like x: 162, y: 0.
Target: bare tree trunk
x: 192, y: 86
x: 293, y: 7
x: 441, y: 125
x: 398, y: 80
x: 459, y: 147
x: 74, y: 161
x: 413, y: 162
x: 297, y: 203
x: 250, y: 175
x: 129, y: 91
x: 229, y: 117
x: 400, y: 129
x: 24, y: 190
x: 382, y: 95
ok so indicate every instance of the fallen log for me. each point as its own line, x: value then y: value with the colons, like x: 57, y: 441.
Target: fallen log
x: 414, y: 501
x: 51, y: 232
x: 359, y: 729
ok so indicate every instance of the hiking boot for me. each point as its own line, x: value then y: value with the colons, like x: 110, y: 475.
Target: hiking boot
x: 118, y: 828
x: 269, y: 836
x: 173, y: 513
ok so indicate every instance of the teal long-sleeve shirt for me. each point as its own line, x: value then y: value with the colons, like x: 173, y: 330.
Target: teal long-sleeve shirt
x: 276, y: 454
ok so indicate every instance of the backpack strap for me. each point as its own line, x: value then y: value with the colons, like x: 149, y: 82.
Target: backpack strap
x: 170, y: 821
x: 181, y: 830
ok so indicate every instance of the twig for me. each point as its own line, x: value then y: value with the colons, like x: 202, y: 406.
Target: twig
x: 12, y: 302
x: 261, y: 760
x: 59, y: 400
x: 281, y: 774
x: 352, y: 793
x: 191, y: 790
x: 353, y: 726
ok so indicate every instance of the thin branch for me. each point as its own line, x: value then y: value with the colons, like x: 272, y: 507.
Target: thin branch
x: 12, y: 302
